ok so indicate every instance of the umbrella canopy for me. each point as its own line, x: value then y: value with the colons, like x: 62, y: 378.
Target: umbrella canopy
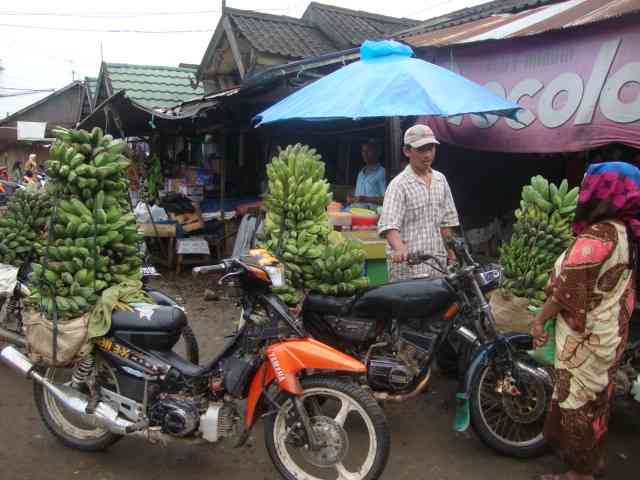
x: 388, y: 82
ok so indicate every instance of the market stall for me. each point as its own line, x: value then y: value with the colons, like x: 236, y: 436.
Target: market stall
x: 189, y: 180
x: 354, y: 92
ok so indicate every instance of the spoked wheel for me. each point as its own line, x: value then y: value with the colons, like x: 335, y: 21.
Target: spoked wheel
x: 347, y: 421
x: 67, y: 426
x: 506, y: 419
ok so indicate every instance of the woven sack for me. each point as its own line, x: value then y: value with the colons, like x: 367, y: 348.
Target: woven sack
x: 510, y: 312
x: 72, y: 336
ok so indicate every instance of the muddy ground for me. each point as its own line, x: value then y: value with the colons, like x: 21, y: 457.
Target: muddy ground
x: 423, y: 444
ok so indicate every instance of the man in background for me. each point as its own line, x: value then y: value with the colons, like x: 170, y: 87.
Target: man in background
x: 371, y: 182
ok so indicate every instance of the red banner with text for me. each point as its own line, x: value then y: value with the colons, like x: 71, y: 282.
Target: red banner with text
x: 580, y: 89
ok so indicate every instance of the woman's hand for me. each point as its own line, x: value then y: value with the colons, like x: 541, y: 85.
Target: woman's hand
x: 540, y: 337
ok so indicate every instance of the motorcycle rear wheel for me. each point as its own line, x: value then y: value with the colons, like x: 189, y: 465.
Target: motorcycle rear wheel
x: 330, y: 462
x: 71, y: 431
x: 509, y: 424
x: 76, y: 434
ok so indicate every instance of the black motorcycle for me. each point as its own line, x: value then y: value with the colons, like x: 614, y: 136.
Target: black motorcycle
x: 399, y: 329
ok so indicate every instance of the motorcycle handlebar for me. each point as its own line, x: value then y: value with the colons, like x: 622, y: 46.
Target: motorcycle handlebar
x: 217, y: 268
x: 417, y: 258
x: 459, y: 246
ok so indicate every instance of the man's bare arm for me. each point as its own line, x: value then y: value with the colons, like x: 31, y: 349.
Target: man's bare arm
x: 399, y: 249
x: 447, y: 232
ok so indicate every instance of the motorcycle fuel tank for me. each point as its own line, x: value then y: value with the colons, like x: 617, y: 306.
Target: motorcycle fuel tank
x: 417, y: 297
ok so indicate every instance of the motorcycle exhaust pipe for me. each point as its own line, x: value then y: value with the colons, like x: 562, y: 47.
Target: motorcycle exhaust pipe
x: 382, y: 396
x: 103, y: 416
x: 12, y: 337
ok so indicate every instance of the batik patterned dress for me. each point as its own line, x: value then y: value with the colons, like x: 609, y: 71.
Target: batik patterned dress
x: 595, y: 285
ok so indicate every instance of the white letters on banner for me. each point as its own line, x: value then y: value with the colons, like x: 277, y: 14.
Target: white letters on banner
x: 567, y: 95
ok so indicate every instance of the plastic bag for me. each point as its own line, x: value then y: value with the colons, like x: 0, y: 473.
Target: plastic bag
x: 142, y: 213
x: 371, y: 49
x: 8, y: 279
x: 157, y: 213
x: 546, y: 354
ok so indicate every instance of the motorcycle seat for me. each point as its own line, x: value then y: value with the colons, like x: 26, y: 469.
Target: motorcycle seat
x: 149, y: 318
x: 418, y: 297
x: 327, y: 304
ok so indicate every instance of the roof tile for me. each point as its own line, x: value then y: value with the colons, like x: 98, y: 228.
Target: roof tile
x: 153, y: 86
x: 353, y: 26
x: 281, y: 35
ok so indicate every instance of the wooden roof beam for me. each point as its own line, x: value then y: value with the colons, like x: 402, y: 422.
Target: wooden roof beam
x: 235, y: 49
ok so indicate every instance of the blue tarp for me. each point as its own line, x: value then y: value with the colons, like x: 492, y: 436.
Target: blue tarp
x: 388, y: 82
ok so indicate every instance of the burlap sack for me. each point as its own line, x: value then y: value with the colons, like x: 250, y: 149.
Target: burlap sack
x: 72, y: 336
x: 510, y: 312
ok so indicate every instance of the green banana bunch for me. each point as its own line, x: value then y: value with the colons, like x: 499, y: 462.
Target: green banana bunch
x: 297, y: 228
x: 541, y: 233
x: 22, y: 227
x: 92, y: 242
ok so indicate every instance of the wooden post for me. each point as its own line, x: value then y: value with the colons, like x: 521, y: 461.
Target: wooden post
x: 223, y: 181
x: 394, y: 133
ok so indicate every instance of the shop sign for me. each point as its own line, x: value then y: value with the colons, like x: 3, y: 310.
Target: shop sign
x: 580, y: 90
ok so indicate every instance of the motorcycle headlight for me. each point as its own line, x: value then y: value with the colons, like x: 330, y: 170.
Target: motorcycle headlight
x: 491, y: 276
x: 276, y: 274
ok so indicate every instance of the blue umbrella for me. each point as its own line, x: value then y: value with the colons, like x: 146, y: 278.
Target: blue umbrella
x: 388, y: 82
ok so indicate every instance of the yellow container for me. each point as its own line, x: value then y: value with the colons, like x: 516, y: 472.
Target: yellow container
x: 372, y: 244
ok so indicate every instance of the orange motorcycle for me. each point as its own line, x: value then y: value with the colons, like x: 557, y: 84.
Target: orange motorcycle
x: 318, y: 421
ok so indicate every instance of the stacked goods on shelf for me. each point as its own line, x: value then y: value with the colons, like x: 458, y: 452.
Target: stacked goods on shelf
x: 541, y: 233
x: 297, y: 229
x: 92, y: 239
x: 22, y: 226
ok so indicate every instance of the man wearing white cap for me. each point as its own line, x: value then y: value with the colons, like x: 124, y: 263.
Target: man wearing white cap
x: 418, y: 208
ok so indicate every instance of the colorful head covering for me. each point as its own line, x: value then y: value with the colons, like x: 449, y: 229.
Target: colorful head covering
x: 609, y: 191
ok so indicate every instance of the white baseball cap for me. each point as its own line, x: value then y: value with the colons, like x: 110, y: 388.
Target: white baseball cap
x: 419, y: 135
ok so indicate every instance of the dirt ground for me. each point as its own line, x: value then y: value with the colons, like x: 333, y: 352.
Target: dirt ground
x: 423, y: 443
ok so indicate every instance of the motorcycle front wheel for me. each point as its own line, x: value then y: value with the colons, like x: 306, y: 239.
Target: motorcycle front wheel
x: 349, y: 423
x: 508, y: 421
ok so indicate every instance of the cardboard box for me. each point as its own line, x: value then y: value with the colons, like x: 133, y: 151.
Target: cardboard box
x: 164, y: 229
x: 190, y: 222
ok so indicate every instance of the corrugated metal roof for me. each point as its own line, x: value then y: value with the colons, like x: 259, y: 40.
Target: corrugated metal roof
x: 155, y: 87
x: 472, y: 14
x: 550, y: 17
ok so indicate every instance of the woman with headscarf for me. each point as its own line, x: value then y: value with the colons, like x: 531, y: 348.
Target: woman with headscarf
x: 591, y: 294
x: 30, y: 170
